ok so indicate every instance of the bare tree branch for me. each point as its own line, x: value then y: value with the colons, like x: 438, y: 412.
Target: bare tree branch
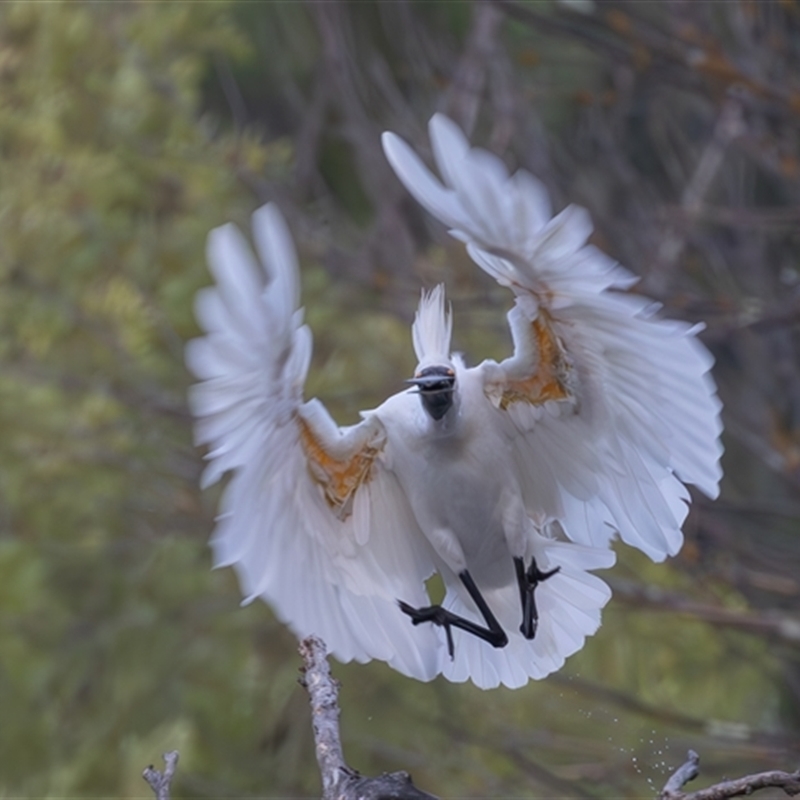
x: 340, y: 782
x: 160, y: 781
x: 788, y: 781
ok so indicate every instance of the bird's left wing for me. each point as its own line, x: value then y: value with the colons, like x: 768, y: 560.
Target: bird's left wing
x: 311, y: 519
x: 609, y: 408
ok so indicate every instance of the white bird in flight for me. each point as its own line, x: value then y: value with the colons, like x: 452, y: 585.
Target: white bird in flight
x: 509, y: 479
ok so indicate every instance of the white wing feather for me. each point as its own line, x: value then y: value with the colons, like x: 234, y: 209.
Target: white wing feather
x: 336, y: 577
x: 642, y: 417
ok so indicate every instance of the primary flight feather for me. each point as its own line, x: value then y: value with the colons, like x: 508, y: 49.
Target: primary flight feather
x: 509, y: 479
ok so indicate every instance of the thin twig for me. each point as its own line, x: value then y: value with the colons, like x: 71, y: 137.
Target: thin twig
x: 160, y: 781
x: 685, y: 773
x: 340, y: 782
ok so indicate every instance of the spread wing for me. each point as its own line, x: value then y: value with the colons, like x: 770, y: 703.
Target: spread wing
x: 610, y: 409
x: 310, y: 519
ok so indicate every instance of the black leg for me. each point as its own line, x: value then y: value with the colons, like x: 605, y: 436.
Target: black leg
x: 492, y: 633
x: 528, y: 580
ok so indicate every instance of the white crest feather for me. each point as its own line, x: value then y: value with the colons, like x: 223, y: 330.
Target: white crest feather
x: 433, y: 326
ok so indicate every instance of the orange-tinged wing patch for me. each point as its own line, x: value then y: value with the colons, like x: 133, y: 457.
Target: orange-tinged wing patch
x: 550, y: 381
x: 339, y: 479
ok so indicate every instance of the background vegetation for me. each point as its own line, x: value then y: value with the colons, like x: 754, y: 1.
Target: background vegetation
x: 129, y: 129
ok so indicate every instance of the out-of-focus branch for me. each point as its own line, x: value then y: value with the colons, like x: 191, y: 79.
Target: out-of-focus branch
x: 782, y: 626
x: 340, y: 782
x: 788, y: 781
x: 622, y: 35
x: 231, y: 90
x: 695, y: 725
x: 572, y: 25
x: 160, y: 781
x: 762, y: 447
x: 546, y: 778
x: 470, y: 75
x: 729, y: 126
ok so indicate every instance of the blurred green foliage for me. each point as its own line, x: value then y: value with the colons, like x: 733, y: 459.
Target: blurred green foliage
x: 117, y: 642
x: 112, y: 630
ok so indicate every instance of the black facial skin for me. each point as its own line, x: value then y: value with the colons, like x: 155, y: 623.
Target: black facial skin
x: 436, y: 386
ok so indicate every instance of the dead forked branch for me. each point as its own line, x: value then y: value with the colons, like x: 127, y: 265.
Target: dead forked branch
x: 159, y: 781
x: 788, y: 781
x: 340, y: 782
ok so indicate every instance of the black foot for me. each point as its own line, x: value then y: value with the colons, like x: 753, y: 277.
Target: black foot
x: 528, y: 579
x: 435, y: 614
x: 493, y: 633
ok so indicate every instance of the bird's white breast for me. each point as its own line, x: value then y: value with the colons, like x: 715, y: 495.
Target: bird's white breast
x: 454, y: 474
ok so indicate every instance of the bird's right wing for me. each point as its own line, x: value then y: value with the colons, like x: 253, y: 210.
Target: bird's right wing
x: 311, y: 519
x: 608, y: 408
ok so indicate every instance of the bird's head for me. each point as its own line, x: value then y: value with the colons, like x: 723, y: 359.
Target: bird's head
x: 436, y: 389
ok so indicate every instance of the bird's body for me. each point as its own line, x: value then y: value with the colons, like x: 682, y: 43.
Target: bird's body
x: 457, y: 471
x: 509, y: 479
